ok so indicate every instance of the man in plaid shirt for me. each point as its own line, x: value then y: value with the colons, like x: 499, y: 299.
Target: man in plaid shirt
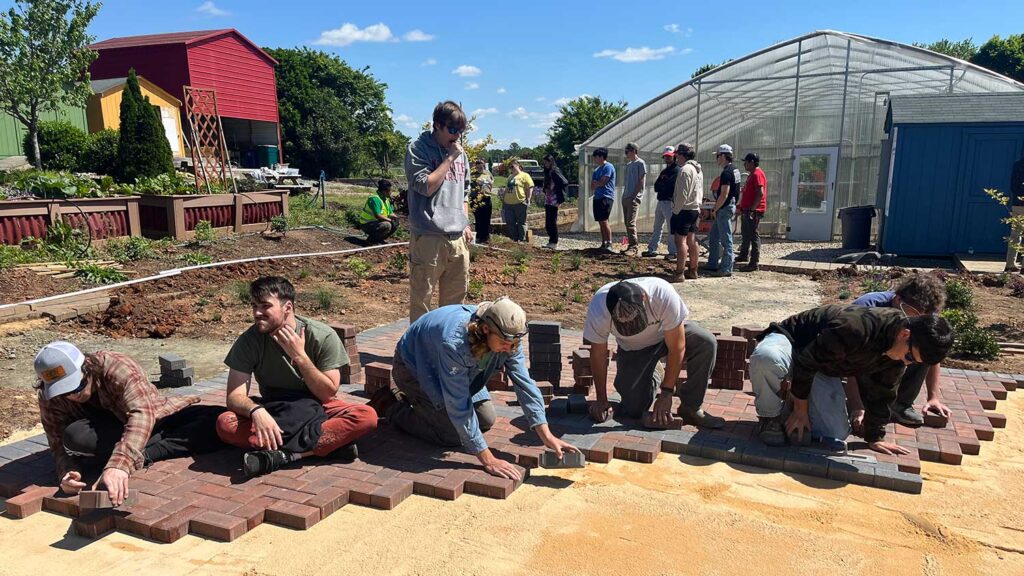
x: 101, y: 410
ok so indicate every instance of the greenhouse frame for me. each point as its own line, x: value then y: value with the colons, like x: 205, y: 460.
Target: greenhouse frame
x: 813, y: 108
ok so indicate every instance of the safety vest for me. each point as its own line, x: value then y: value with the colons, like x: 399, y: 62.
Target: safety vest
x: 367, y: 215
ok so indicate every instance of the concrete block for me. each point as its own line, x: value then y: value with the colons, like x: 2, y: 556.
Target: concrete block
x: 548, y: 459
x: 93, y: 499
x: 544, y: 327
x: 171, y: 362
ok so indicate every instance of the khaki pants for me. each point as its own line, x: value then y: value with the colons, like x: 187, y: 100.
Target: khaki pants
x: 436, y: 262
x: 1016, y: 235
x: 629, y: 210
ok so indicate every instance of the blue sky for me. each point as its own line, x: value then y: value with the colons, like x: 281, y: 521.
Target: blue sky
x: 512, y: 62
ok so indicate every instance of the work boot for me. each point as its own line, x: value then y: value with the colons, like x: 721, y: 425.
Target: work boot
x: 749, y: 268
x: 260, y: 462
x: 721, y: 274
x: 700, y: 418
x: 833, y: 445
x: 691, y: 273
x: 740, y: 259
x: 382, y: 401
x: 906, y: 415
x: 648, y: 254
x: 771, y: 431
x: 347, y: 453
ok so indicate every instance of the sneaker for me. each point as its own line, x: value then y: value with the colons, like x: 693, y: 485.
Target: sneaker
x: 691, y: 274
x: 347, y: 453
x: 677, y: 277
x: 749, y: 268
x: 908, y: 416
x: 831, y: 444
x: 551, y: 246
x: 721, y: 274
x: 770, y: 431
x: 700, y: 418
x: 648, y: 254
x: 608, y: 248
x: 260, y: 462
x: 671, y: 257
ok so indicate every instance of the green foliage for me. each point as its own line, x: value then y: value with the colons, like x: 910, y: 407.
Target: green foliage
x: 574, y: 293
x: 874, y: 283
x: 240, y: 290
x: 142, y: 149
x: 960, y: 320
x: 519, y: 256
x: 557, y: 306
x: 707, y: 68
x: 514, y: 271
x: 959, y: 294
x: 399, y: 263
x: 168, y: 184
x: 66, y: 243
x: 475, y: 252
x: 131, y: 249
x: 12, y: 255
x: 62, y: 146
x: 475, y: 291
x: 555, y: 266
x: 303, y: 213
x: 575, y: 261
x: 196, y: 258
x: 304, y: 273
x: 96, y: 274
x: 324, y: 298
x: 44, y: 60
x: 101, y: 152
x: 976, y: 343
x: 204, y: 234
x: 352, y: 217
x: 1005, y: 56
x: 965, y: 49
x: 1015, y: 222
x: 579, y: 120
x: 359, y: 267
x: 279, y: 223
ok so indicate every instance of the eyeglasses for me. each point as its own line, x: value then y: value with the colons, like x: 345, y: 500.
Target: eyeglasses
x: 514, y: 338
x: 453, y: 130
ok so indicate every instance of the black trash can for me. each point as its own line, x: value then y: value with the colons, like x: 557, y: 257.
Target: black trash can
x: 856, y: 222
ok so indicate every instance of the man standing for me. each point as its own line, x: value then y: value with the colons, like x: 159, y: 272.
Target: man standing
x: 686, y: 199
x: 100, y: 412
x: 378, y: 219
x: 871, y: 344
x: 436, y: 169
x: 1017, y: 211
x: 515, y: 201
x: 753, y: 203
x: 720, y: 237
x: 602, y: 185
x: 633, y: 194
x: 296, y: 362
x: 664, y: 187
x: 480, y: 185
x: 554, y: 195
x: 648, y: 318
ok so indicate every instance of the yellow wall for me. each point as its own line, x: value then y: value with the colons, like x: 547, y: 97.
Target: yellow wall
x: 104, y: 110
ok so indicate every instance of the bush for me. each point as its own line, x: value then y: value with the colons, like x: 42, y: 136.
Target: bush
x: 976, y: 343
x: 1017, y: 287
x: 874, y: 284
x: 279, y: 223
x: 65, y: 242
x: 960, y: 320
x: 12, y: 255
x: 399, y: 263
x: 959, y: 294
x: 132, y: 249
x: 204, y: 234
x: 61, y: 144
x: 101, y: 152
x: 196, y: 259
x: 359, y: 267
x: 142, y: 148
x: 324, y: 298
x: 96, y: 274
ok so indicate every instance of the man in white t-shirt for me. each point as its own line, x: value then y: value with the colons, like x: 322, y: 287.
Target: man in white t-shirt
x: 648, y: 318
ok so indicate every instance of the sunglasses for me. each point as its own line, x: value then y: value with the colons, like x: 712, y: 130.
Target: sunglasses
x: 455, y: 130
x: 514, y: 338
x: 908, y: 358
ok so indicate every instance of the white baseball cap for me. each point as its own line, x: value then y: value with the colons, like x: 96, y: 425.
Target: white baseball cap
x: 724, y: 149
x: 59, y: 366
x: 669, y: 151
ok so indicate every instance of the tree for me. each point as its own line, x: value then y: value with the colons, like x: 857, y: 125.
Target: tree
x: 964, y: 49
x: 1003, y: 56
x: 708, y: 68
x: 579, y: 120
x: 333, y: 117
x: 142, y: 146
x: 44, y: 58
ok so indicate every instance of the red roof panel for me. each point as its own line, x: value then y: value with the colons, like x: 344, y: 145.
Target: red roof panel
x: 187, y: 38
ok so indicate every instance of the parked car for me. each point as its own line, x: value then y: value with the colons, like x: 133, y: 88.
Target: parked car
x: 535, y: 170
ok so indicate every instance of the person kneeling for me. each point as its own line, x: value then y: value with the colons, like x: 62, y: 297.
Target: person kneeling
x: 297, y: 363
x: 100, y: 411
x: 378, y: 219
x: 440, y: 371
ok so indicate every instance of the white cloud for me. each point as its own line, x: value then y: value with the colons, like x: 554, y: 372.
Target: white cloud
x: 520, y: 113
x: 210, y: 9
x: 501, y: 90
x: 689, y: 32
x: 685, y: 51
x: 403, y: 118
x: 407, y: 121
x: 672, y: 28
x: 541, y: 99
x: 417, y: 36
x: 631, y: 55
x: 563, y: 100
x: 535, y: 119
x: 472, y: 85
x: 481, y: 112
x: 467, y: 71
x: 350, y: 33
x: 429, y: 62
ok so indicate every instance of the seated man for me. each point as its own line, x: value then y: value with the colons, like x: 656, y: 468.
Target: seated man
x: 871, y: 344
x: 378, y: 219
x: 441, y: 368
x: 648, y: 318
x: 296, y: 362
x: 100, y: 411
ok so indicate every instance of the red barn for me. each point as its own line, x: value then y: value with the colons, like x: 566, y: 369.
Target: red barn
x: 223, y: 60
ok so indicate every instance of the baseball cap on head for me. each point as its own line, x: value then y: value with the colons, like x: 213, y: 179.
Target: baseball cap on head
x: 724, y: 149
x: 59, y: 367
x: 751, y: 157
x: 625, y: 302
x: 505, y: 315
x: 669, y: 151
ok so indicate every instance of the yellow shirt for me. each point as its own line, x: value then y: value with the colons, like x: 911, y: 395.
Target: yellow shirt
x: 518, y: 189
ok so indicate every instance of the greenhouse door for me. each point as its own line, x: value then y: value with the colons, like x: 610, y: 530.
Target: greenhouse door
x: 813, y: 194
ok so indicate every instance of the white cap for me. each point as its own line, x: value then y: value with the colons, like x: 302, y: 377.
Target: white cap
x: 724, y: 149
x: 669, y: 151
x: 59, y: 366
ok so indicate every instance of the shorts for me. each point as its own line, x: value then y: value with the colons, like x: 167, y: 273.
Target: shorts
x: 603, y: 208
x: 685, y: 222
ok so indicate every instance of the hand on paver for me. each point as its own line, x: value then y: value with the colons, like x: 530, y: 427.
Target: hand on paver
x: 115, y: 481
x: 662, y: 409
x: 72, y: 483
x: 497, y: 467
x: 798, y: 423
x: 291, y: 342
x: 937, y: 407
x: 600, y: 411
x: 888, y: 448
x: 857, y: 422
x: 266, y: 430
x: 559, y: 446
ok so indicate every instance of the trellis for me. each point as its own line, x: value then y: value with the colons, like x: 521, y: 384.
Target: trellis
x: 210, y: 160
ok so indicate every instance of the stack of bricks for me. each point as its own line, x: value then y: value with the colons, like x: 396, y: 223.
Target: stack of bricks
x: 545, y: 351
x: 749, y: 332
x: 730, y: 363
x: 174, y: 372
x: 582, y: 370
x: 378, y: 375
x: 353, y: 372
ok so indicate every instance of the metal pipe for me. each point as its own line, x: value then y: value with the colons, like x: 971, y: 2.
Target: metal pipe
x: 839, y: 158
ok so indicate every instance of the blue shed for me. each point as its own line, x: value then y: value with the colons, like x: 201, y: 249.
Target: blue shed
x: 943, y: 151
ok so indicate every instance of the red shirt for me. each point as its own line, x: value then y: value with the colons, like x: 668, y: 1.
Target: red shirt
x: 756, y: 178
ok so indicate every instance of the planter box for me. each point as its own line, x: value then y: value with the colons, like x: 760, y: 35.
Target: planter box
x: 177, y: 216
x: 105, y: 217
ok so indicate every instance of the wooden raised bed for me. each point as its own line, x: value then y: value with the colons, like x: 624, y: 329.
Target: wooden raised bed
x: 105, y: 217
x: 177, y: 216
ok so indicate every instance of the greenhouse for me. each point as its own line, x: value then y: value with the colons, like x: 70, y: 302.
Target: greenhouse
x: 813, y: 108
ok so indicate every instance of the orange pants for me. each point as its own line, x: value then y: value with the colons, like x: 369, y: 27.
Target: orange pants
x: 346, y: 423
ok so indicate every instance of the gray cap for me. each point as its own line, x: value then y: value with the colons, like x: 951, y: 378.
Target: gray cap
x: 59, y: 367
x: 505, y: 315
x: 724, y: 149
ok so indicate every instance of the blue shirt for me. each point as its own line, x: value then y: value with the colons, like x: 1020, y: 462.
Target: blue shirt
x: 436, y: 349
x: 608, y: 190
x: 876, y: 299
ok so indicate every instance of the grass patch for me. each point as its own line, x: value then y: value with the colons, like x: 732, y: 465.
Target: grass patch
x: 240, y: 290
x: 96, y: 274
x: 325, y: 298
x: 359, y: 267
x: 196, y: 258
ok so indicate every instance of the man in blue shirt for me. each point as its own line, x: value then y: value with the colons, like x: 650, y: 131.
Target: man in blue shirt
x: 603, y: 186
x: 441, y: 367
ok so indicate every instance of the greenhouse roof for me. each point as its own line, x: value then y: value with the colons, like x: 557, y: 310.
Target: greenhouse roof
x: 957, y: 108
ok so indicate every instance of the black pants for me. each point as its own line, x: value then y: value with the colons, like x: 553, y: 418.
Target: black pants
x: 193, y: 430
x: 482, y: 215
x: 910, y: 385
x: 751, y: 245
x: 378, y: 231
x: 551, y: 223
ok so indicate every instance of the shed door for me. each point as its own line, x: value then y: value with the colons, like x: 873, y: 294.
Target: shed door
x: 987, y: 158
x: 169, y: 118
x: 813, y: 193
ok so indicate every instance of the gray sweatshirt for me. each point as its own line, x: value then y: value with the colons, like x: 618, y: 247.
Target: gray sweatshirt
x: 443, y: 212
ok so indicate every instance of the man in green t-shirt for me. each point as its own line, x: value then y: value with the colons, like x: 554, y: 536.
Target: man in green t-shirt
x: 296, y: 362
x: 378, y: 219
